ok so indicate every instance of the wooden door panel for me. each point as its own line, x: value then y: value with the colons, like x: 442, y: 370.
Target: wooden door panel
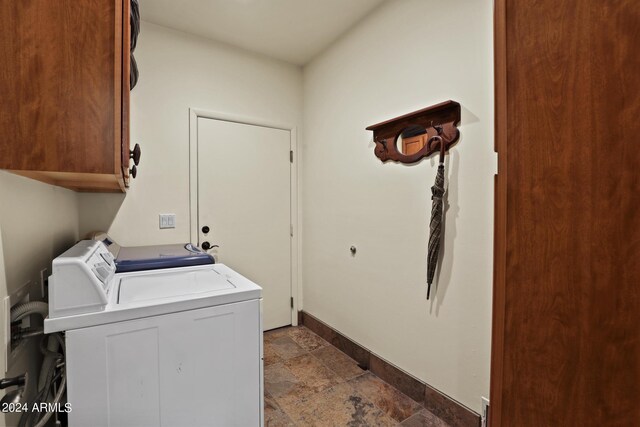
x: 44, y: 41
x: 566, y: 345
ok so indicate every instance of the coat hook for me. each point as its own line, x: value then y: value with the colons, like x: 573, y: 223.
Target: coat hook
x: 438, y: 128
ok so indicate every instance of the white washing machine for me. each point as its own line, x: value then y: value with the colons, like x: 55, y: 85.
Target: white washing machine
x: 168, y: 347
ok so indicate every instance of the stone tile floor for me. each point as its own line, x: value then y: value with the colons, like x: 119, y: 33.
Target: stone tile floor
x: 308, y: 382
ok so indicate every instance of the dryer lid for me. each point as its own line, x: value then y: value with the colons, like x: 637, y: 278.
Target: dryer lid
x: 175, y: 285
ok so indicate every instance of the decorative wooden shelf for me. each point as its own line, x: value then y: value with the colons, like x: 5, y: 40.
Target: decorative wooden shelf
x: 440, y: 120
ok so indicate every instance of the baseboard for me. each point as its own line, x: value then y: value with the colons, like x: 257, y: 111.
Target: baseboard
x: 441, y: 405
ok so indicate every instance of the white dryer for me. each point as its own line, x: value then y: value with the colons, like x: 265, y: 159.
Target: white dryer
x: 172, y: 347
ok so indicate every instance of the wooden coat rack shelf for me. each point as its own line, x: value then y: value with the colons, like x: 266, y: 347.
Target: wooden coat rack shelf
x: 439, y: 122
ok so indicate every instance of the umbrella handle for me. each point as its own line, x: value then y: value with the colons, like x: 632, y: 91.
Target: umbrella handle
x: 440, y: 140
x: 443, y: 147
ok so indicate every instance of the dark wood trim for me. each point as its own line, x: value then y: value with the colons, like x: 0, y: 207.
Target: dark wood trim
x: 126, y: 92
x: 500, y: 213
x: 447, y: 409
x: 406, y: 383
x: 341, y: 342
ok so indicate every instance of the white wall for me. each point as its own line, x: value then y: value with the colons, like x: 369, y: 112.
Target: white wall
x: 179, y: 71
x: 407, y: 55
x: 37, y: 223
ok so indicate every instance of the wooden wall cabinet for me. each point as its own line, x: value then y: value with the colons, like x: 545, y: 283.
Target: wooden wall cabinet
x: 64, y: 88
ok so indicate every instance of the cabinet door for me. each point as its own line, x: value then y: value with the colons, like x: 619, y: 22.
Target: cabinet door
x: 193, y: 368
x: 61, y: 116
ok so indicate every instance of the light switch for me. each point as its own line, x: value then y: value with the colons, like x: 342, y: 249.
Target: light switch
x: 167, y: 220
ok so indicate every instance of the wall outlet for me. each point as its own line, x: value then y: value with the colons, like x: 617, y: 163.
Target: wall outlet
x: 484, y: 417
x: 12, y: 349
x: 167, y: 221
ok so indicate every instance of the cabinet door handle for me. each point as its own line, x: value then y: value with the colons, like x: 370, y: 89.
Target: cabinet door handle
x: 133, y: 171
x: 135, y: 154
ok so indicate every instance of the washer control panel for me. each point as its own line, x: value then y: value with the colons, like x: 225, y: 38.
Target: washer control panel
x: 102, y: 264
x: 81, y: 279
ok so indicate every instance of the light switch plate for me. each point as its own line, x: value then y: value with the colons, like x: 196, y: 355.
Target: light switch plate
x: 167, y: 221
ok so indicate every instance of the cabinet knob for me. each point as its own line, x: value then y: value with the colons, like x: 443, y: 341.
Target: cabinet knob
x: 205, y: 229
x: 135, y: 154
x: 133, y: 172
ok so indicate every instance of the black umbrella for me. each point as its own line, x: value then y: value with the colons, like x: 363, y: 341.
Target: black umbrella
x: 435, y: 226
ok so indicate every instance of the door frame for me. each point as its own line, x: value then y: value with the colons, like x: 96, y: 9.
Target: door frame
x: 194, y: 115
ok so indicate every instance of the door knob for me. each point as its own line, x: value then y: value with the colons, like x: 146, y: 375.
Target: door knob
x: 205, y: 229
x: 135, y: 154
x: 133, y: 171
x: 206, y: 246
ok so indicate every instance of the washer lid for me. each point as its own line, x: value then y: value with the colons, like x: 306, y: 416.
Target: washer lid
x: 159, y: 292
x: 175, y: 285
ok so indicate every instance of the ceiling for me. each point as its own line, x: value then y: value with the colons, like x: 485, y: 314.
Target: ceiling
x: 291, y: 30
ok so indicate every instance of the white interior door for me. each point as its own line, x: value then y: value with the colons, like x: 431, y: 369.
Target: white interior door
x: 244, y: 201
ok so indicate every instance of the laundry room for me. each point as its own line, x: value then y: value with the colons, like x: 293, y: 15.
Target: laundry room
x: 290, y: 213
